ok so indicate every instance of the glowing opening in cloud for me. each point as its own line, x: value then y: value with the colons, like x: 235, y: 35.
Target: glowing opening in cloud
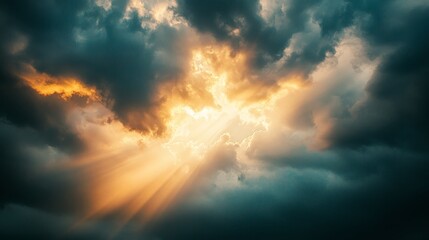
x: 214, y: 116
x: 213, y: 112
x: 135, y: 174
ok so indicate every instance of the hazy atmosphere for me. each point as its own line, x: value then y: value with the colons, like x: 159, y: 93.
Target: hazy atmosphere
x: 214, y: 119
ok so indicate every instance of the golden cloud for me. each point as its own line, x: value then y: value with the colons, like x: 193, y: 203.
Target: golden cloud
x: 66, y: 87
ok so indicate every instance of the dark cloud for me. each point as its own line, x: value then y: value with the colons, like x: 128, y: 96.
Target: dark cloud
x: 40, y: 225
x: 371, y: 181
x: 394, y: 112
x: 21, y: 106
x: 314, y: 26
x: 26, y: 176
x: 237, y: 22
x: 302, y: 201
x: 104, y: 49
x: 33, y: 128
x: 72, y: 38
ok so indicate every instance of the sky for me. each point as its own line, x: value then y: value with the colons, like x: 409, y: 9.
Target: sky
x: 226, y: 119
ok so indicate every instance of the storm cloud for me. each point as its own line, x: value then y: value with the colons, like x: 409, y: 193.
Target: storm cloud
x: 156, y: 141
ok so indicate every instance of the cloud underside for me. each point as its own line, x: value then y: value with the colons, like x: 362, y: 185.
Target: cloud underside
x: 228, y: 119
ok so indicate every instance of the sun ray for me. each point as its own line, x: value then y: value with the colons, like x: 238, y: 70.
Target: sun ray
x: 137, y: 176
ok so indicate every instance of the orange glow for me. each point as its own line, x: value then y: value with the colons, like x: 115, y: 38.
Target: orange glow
x: 139, y: 175
x: 66, y: 87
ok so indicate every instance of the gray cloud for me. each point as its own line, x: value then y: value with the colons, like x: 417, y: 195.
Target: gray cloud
x: 104, y: 49
x: 386, y: 199
x: 394, y: 111
x: 370, y: 181
x: 41, y: 225
x: 315, y: 25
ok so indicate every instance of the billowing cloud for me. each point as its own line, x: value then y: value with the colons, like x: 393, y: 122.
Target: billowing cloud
x: 131, y: 119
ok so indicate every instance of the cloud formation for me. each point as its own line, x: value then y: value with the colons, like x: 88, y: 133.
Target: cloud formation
x: 214, y: 119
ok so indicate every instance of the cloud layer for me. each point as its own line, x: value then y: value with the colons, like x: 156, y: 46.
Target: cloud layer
x: 214, y: 119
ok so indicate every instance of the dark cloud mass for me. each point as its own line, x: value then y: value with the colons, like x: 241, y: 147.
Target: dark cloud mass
x: 393, y: 112
x: 305, y: 202
x: 102, y: 48
x: 267, y: 39
x: 369, y: 181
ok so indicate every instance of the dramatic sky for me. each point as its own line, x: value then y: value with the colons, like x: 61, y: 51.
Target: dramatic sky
x: 228, y: 119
